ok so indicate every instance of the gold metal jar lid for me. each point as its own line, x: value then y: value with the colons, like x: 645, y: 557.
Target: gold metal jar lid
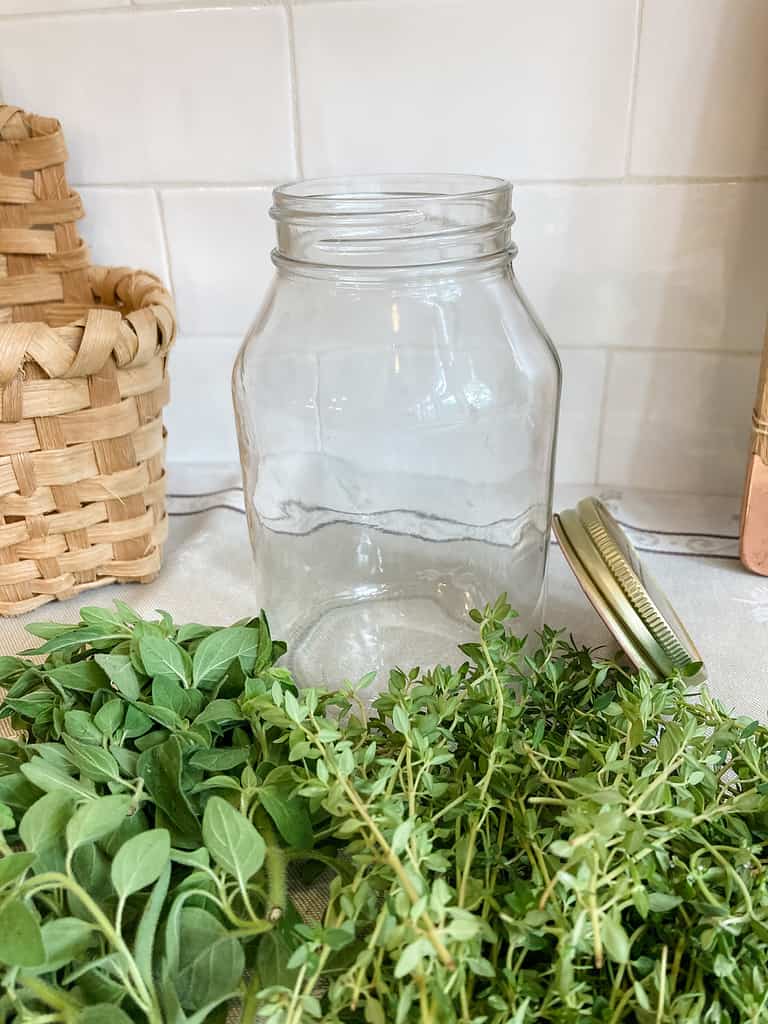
x: 621, y: 589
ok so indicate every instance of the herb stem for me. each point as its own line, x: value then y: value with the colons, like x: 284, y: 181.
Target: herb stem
x: 662, y: 985
x: 54, y: 878
x: 490, y: 768
x: 397, y: 866
x: 621, y: 1006
x: 426, y: 1012
x: 275, y: 863
x: 595, y: 919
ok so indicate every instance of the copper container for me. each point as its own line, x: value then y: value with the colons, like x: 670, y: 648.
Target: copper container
x: 753, y: 545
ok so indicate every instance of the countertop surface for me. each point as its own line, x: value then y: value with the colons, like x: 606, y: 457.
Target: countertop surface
x: 689, y: 544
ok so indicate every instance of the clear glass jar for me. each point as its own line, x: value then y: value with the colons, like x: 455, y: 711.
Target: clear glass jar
x: 397, y: 405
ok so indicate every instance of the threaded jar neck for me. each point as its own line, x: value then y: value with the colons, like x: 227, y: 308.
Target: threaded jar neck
x: 393, y: 221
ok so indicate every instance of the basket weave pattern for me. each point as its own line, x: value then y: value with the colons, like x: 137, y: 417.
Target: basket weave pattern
x: 82, y: 385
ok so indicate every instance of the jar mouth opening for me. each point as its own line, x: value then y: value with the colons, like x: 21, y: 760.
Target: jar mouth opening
x: 397, y: 220
x: 362, y: 188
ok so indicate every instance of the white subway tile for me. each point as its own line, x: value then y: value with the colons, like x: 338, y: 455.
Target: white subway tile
x: 205, y: 3
x: 123, y: 229
x: 496, y: 86
x: 662, y: 266
x: 200, y: 419
x: 219, y: 242
x: 159, y: 95
x: 702, y: 91
x: 580, y: 408
x: 678, y: 421
x: 56, y: 6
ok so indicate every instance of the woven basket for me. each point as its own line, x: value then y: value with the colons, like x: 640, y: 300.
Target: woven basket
x: 82, y: 385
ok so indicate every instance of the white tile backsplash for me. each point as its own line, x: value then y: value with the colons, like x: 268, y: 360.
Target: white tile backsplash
x: 702, y: 97
x: 504, y: 87
x: 642, y: 247
x: 159, y: 95
x: 580, y: 411
x: 199, y: 419
x: 219, y: 242
x: 678, y: 421
x: 201, y: 368
x: 122, y: 227
x: 657, y: 266
x: 57, y: 6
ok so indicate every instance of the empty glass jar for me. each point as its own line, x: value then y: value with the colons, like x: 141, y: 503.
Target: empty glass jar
x: 397, y: 406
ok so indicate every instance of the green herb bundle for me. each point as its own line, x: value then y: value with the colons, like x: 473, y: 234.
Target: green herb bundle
x: 523, y: 839
x: 134, y: 884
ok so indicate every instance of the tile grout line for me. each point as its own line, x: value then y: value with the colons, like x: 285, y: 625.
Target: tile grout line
x: 166, y: 246
x: 692, y: 179
x: 609, y: 350
x: 633, y: 88
x: 174, y: 186
x: 603, y: 415
x: 131, y: 7
x: 293, y: 79
x: 270, y: 183
x: 658, y: 350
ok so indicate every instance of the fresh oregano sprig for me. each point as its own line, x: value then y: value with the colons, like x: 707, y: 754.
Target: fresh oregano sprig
x: 134, y: 884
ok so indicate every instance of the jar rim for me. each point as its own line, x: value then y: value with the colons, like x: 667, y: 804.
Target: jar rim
x: 366, y: 187
x: 396, y: 220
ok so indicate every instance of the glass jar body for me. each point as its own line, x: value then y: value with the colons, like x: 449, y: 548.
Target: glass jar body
x: 397, y: 430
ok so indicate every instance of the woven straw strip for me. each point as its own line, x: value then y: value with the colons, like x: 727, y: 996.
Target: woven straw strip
x: 103, y: 331
x: 143, y: 379
x: 76, y: 427
x: 149, y: 440
x: 110, y: 421
x: 67, y: 466
x: 101, y: 335
x: 51, y: 397
x: 9, y: 114
x: 128, y: 529
x: 41, y: 502
x: 151, y: 403
x: 50, y: 211
x: 43, y: 547
x: 34, y: 154
x: 22, y: 607
x: 60, y: 586
x: 37, y: 504
x: 8, y: 483
x: 13, y: 533
x: 51, y: 435
x: 28, y: 288
x: 18, y: 572
x: 62, y: 315
x: 119, y: 485
x: 18, y: 437
x: 58, y: 397
x: 154, y: 492
x: 116, y: 454
x: 94, y: 558
x: 138, y: 568
x: 77, y: 464
x: 17, y: 190
x: 24, y: 240
x: 75, y: 519
x: 73, y: 259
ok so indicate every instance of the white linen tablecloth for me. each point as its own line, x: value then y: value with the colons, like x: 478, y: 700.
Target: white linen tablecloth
x: 689, y: 543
